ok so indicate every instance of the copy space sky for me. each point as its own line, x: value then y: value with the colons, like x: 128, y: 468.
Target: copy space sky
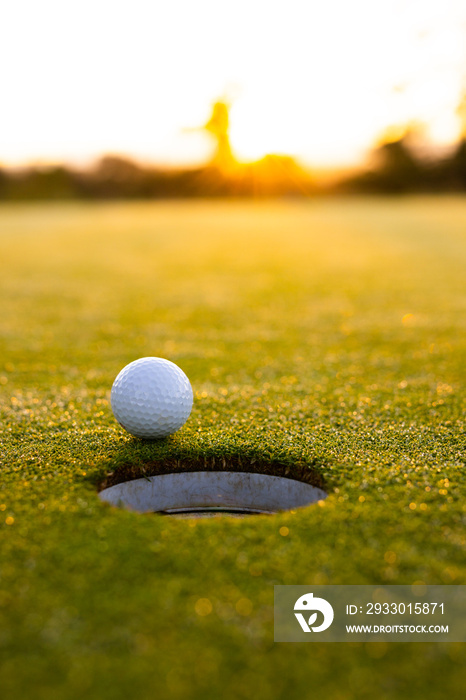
x: 317, y: 79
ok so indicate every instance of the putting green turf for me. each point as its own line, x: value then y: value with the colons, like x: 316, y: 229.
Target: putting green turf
x: 325, y: 337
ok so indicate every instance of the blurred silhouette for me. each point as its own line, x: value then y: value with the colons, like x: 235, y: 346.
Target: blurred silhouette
x: 114, y: 177
x: 52, y: 182
x: 458, y: 167
x: 218, y: 126
x: 3, y: 183
x: 458, y: 160
x: 396, y: 166
x: 273, y: 175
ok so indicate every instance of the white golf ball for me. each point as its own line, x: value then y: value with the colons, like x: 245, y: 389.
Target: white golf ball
x: 151, y: 397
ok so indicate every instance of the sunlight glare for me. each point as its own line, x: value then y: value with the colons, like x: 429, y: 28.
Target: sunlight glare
x: 320, y: 81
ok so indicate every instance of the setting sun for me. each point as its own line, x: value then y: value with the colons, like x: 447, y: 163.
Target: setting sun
x: 317, y: 81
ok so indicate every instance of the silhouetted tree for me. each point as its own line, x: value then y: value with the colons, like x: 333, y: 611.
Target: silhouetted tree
x: 457, y: 166
x: 218, y: 126
x: 52, y: 182
x: 3, y: 182
x: 398, y: 168
x: 458, y: 160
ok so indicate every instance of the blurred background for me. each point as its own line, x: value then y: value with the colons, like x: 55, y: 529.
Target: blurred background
x: 149, y: 99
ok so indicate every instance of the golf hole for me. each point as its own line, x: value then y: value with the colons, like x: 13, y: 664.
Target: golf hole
x: 209, y: 493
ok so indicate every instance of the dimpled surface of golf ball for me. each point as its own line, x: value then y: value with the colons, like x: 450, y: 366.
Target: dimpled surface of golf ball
x: 151, y: 397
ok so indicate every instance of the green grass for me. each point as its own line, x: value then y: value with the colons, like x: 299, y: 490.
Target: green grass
x: 326, y: 337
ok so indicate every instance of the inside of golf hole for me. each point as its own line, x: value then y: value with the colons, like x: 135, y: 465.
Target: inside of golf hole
x: 209, y: 493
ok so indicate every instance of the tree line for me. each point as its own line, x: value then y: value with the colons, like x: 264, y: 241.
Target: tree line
x: 395, y: 169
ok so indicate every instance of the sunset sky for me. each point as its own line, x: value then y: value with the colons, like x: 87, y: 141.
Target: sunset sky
x: 319, y: 80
